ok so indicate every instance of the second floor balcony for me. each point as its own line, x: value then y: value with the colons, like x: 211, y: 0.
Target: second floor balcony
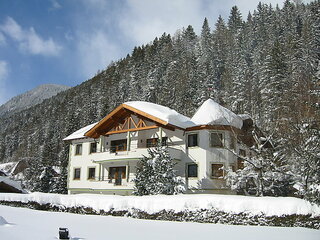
x: 120, y: 153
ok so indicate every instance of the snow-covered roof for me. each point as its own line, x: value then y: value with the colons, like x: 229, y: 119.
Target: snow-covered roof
x: 244, y: 116
x: 212, y: 113
x: 164, y: 113
x: 80, y: 133
x: 14, y: 184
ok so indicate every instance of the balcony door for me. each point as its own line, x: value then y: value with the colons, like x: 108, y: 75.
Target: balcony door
x: 118, y: 145
x: 117, y: 173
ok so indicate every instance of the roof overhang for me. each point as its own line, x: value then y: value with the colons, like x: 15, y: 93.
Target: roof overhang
x: 118, y: 115
x: 215, y: 127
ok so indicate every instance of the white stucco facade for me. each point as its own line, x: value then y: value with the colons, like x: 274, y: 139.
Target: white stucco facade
x: 203, y: 155
x: 111, y: 167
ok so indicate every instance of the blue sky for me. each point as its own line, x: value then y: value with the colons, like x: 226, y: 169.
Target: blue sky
x: 68, y: 41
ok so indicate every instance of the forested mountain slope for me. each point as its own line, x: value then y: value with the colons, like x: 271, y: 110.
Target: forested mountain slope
x: 266, y: 66
x: 31, y: 98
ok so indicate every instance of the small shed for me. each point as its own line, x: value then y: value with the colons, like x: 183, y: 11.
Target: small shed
x: 8, y: 185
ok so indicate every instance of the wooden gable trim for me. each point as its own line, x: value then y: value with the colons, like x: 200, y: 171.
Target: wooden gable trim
x: 117, y: 115
x: 93, y: 131
x: 131, y: 130
x: 130, y: 125
x: 148, y: 116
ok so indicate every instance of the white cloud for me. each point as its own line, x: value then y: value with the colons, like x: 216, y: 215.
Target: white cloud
x: 145, y: 20
x: 55, y: 5
x: 95, y: 52
x: 2, y: 39
x: 4, y: 71
x: 12, y: 29
x: 29, y: 41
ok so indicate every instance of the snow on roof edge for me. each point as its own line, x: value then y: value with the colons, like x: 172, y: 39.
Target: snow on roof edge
x: 207, y: 114
x: 164, y: 113
x: 80, y: 132
x: 212, y: 113
x: 12, y: 183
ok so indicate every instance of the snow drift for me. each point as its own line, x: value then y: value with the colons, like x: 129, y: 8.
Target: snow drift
x: 269, y: 206
x: 3, y: 221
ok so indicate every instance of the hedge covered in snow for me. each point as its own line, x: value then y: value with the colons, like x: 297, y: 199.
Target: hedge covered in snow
x: 226, y: 209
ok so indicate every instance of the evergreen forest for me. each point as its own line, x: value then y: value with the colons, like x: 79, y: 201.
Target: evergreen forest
x: 265, y: 64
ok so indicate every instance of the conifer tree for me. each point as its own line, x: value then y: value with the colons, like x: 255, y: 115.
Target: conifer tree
x: 265, y: 172
x: 155, y: 174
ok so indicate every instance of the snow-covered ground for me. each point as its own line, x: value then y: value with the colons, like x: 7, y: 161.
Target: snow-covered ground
x: 269, y: 206
x: 21, y: 223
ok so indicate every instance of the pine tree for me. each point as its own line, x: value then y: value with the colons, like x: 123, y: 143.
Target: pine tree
x: 155, y: 174
x: 265, y: 172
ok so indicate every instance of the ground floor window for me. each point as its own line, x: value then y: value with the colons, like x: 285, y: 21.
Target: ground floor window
x: 240, y: 163
x: 240, y: 160
x: 92, y: 173
x: 192, y: 170
x: 76, y: 174
x: 217, y: 170
x: 117, y: 174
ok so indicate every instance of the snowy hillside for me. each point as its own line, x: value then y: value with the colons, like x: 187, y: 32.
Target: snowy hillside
x: 30, y: 98
x: 19, y: 223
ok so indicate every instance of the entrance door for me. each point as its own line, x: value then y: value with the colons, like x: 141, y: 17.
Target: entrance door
x: 117, y: 173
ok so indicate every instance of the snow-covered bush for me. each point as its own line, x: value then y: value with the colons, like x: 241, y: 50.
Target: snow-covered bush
x: 155, y: 174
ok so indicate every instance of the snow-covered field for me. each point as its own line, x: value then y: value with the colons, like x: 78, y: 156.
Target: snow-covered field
x: 21, y: 223
x: 269, y: 206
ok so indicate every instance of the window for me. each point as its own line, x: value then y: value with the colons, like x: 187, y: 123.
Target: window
x: 240, y: 163
x: 93, y: 147
x: 192, y: 140
x: 78, y: 149
x: 152, y: 142
x: 118, y: 145
x: 233, y: 142
x: 217, y: 170
x: 117, y: 173
x: 76, y: 174
x: 92, y: 173
x: 192, y: 170
x: 242, y: 153
x: 216, y: 139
